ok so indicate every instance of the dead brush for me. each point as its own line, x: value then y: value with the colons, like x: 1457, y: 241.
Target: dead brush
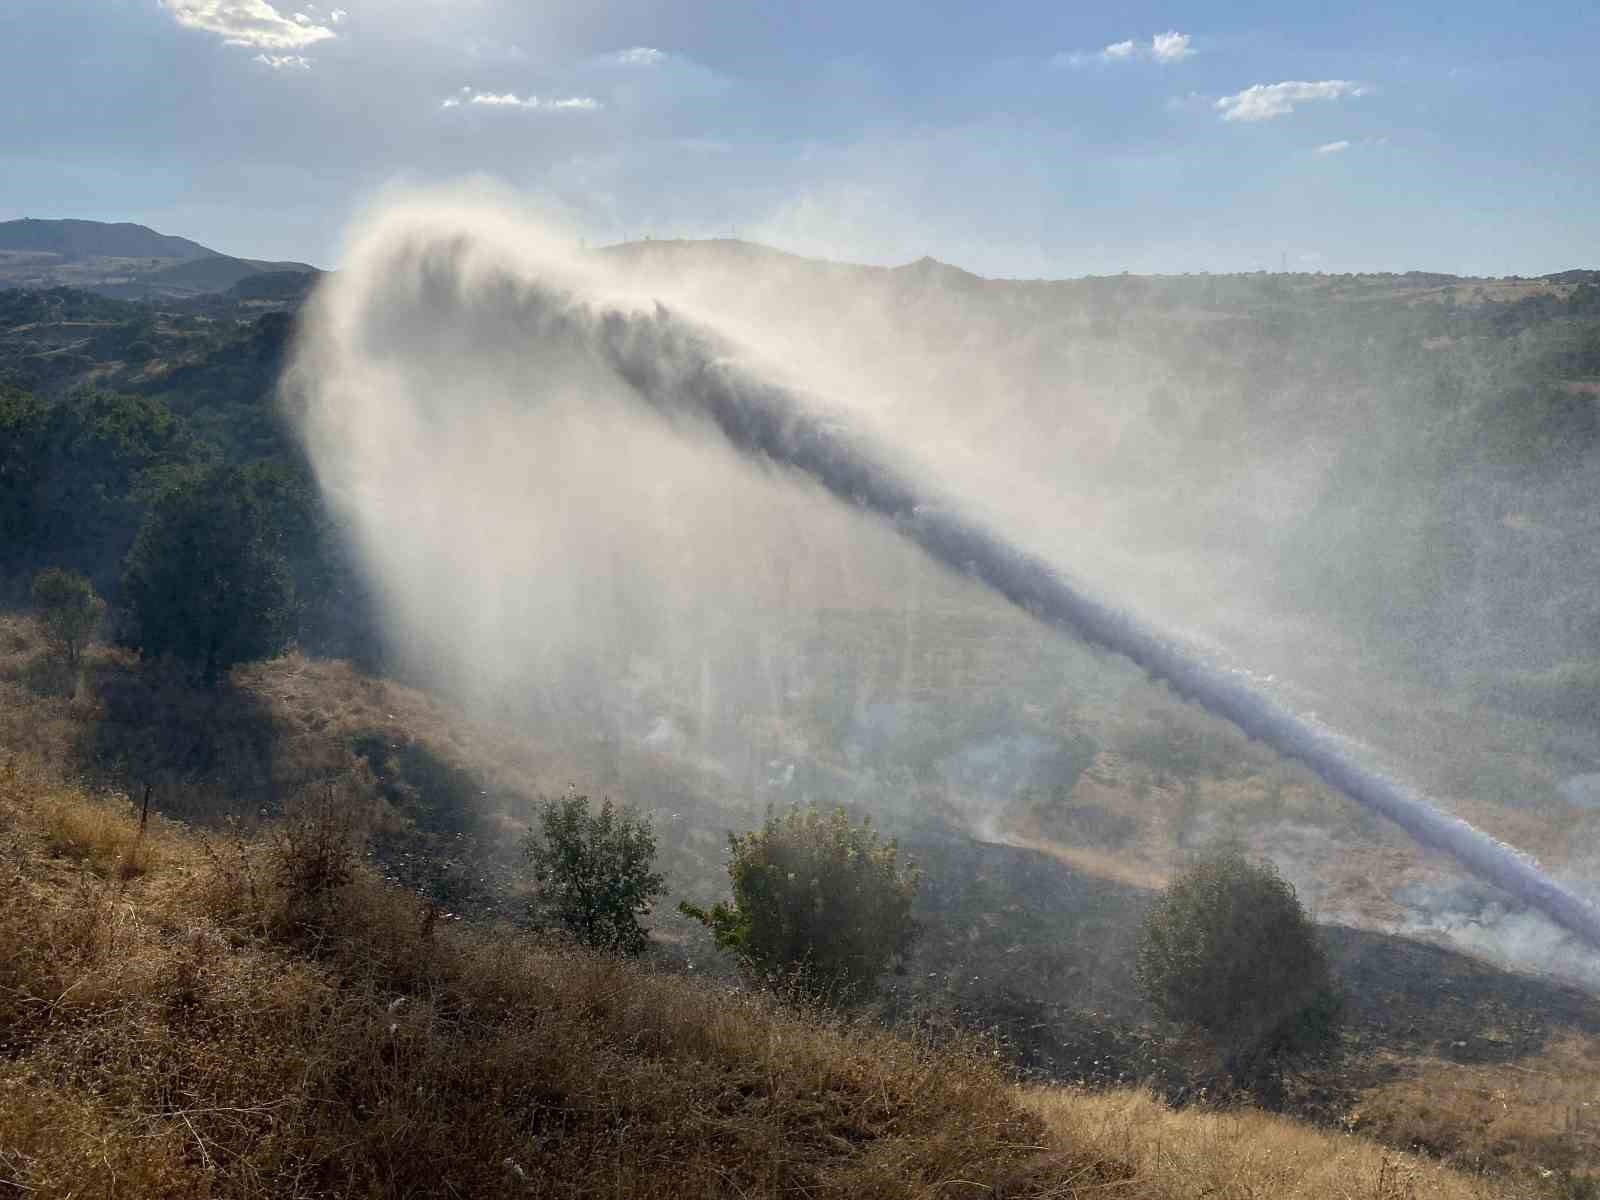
x: 313, y: 854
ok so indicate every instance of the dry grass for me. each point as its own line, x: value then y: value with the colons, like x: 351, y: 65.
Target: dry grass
x: 209, y: 1028
x: 182, y: 1016
x: 1239, y: 1154
x: 1538, y: 1115
x: 214, y: 1027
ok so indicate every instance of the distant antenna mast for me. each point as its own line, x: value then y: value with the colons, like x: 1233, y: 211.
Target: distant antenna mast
x: 1283, y: 262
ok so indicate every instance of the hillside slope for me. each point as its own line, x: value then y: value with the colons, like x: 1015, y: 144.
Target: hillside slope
x: 220, y: 1017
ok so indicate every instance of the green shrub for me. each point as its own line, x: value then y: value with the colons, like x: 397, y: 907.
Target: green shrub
x: 592, y: 873
x: 816, y: 901
x: 68, y: 610
x: 1228, y: 951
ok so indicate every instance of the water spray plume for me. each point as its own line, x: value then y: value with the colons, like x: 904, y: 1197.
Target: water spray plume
x: 483, y: 295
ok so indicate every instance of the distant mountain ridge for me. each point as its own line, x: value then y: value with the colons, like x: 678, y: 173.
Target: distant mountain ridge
x: 121, y: 259
x: 76, y: 238
x: 128, y: 261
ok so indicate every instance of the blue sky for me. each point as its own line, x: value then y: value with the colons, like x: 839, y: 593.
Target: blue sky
x: 1023, y: 139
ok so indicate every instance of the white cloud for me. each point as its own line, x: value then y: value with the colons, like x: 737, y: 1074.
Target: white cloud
x: 1267, y: 100
x: 284, y: 62
x: 468, y: 97
x: 1170, y: 46
x: 639, y: 56
x: 248, y: 23
x: 1333, y: 147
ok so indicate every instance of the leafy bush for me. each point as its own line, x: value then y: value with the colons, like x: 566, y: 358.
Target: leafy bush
x: 68, y: 610
x: 815, y: 899
x: 592, y: 873
x: 1228, y: 951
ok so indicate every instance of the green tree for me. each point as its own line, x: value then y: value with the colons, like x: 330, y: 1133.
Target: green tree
x: 1228, y: 951
x: 68, y: 611
x: 206, y: 581
x: 77, y: 474
x: 815, y: 899
x: 592, y: 872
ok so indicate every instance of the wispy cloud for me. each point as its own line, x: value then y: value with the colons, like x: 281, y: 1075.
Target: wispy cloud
x: 1338, y: 147
x: 284, y: 62
x: 639, y: 56
x: 1267, y: 100
x: 1169, y: 47
x: 467, y: 97
x: 249, y: 23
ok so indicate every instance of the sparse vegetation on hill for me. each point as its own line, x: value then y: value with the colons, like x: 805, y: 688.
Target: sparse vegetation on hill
x: 173, y: 1026
x: 427, y: 784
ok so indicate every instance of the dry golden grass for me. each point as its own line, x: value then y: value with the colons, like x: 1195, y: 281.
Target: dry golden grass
x: 1540, y: 1114
x: 1237, y: 1154
x: 210, y: 1028
x: 203, y: 1029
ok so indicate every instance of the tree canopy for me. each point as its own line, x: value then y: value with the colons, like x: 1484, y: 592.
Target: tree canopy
x: 815, y: 900
x: 207, y: 581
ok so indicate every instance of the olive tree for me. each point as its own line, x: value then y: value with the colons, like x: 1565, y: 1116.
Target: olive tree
x: 816, y: 900
x: 68, y: 611
x: 1229, y: 952
x: 592, y: 872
